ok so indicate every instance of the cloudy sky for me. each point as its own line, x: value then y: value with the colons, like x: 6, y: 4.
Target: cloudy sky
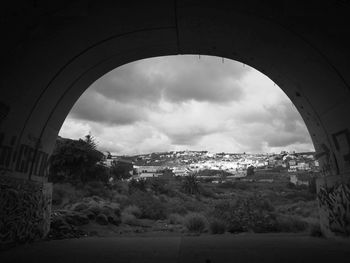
x: 187, y: 103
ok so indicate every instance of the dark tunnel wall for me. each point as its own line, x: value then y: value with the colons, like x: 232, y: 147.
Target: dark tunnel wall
x: 52, y: 51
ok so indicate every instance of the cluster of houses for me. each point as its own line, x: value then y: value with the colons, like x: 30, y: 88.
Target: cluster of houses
x: 199, y: 160
x: 187, y: 162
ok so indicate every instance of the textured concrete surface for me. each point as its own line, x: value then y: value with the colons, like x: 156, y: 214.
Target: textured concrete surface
x: 52, y: 51
x: 225, y: 248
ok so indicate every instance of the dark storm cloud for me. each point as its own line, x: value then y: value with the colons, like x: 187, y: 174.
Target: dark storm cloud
x: 189, y: 137
x: 176, y: 79
x: 290, y: 127
x: 94, y: 107
x: 285, y: 139
x: 193, y: 87
x: 277, y: 125
x: 128, y: 85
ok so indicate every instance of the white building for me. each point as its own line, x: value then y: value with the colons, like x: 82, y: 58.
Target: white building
x: 180, y: 171
x: 148, y: 171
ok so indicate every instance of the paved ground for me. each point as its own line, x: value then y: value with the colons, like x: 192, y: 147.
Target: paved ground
x: 205, y: 249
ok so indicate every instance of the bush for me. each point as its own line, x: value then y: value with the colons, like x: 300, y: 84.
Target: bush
x: 133, y: 210
x: 176, y: 205
x: 195, y: 222
x: 97, y: 188
x: 102, y: 219
x: 175, y: 219
x: 301, y: 194
x: 97, y: 173
x: 123, y: 200
x: 65, y: 193
x: 235, y: 185
x: 150, y: 206
x: 244, y: 214
x: 315, y: 230
x: 207, y: 192
x: 217, y: 227
x: 290, y: 224
x: 129, y: 219
x: 158, y: 186
x: 119, y: 187
x: 137, y: 185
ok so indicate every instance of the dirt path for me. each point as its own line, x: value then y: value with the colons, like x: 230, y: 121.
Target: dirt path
x: 205, y: 249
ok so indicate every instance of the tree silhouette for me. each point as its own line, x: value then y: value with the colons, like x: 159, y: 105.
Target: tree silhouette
x: 75, y: 160
x: 190, y: 184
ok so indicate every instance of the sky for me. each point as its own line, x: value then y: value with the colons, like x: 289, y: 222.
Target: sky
x: 187, y: 102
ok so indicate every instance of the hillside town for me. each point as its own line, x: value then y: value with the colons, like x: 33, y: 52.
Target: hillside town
x: 233, y: 165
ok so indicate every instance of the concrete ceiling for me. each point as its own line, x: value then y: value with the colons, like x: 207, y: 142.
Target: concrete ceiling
x: 51, y: 51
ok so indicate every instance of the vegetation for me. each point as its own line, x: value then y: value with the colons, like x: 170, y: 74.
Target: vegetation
x: 191, y: 184
x: 133, y: 210
x: 195, y: 223
x: 175, y: 219
x: 77, y: 161
x: 83, y: 196
x: 119, y: 172
x: 250, y: 171
x: 217, y: 226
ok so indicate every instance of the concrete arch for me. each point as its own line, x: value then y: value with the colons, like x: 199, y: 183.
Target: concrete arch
x: 53, y: 52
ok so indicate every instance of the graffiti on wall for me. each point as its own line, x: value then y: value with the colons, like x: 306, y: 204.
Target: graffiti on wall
x: 23, y: 160
x: 25, y: 208
x: 335, y: 202
x: 325, y: 155
x: 342, y: 144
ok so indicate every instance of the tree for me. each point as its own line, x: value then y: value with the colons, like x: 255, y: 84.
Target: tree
x: 222, y: 176
x: 191, y: 184
x: 75, y: 160
x: 250, y: 170
x: 121, y: 170
x: 91, y: 141
x: 109, y: 155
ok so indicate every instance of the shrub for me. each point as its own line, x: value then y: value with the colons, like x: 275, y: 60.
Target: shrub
x: 137, y: 185
x: 175, y: 219
x: 315, y: 230
x: 195, y: 222
x: 217, y: 226
x: 129, y: 219
x: 207, y: 192
x: 194, y: 206
x: 265, y: 204
x: 158, y: 186
x: 300, y: 195
x: 121, y: 187
x: 102, y: 219
x: 176, y: 205
x: 150, y: 206
x: 235, y: 185
x: 123, y: 200
x: 243, y: 214
x: 133, y: 210
x: 64, y: 193
x: 97, y: 188
x: 291, y: 224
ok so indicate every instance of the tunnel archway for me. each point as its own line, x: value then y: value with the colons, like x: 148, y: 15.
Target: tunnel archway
x: 47, y: 65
